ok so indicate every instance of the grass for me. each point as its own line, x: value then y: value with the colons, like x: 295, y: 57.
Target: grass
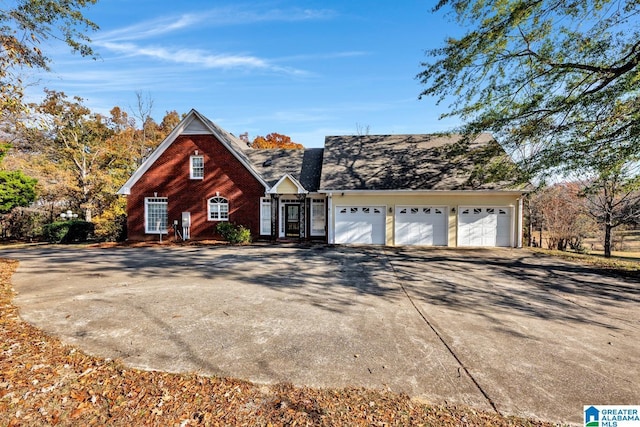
x: 45, y: 382
x: 624, y: 263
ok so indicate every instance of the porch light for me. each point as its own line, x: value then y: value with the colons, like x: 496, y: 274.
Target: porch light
x: 453, y: 210
x: 390, y: 209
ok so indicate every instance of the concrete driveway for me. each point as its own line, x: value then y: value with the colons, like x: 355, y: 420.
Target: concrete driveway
x: 504, y: 330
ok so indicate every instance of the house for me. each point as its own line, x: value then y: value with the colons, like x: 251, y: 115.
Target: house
x: 371, y: 189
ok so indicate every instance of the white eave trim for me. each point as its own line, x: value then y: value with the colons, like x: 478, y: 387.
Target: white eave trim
x: 180, y: 130
x: 301, y: 190
x: 426, y: 192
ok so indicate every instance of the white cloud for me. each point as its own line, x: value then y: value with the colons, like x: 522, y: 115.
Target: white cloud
x: 199, y: 57
x: 236, y: 15
x: 149, y: 29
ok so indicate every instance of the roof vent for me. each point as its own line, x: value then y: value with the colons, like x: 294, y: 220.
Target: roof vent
x: 267, y: 162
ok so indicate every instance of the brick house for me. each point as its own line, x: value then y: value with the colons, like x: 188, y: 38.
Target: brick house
x: 390, y: 189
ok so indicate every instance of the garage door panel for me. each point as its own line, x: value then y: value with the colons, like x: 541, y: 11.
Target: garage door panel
x: 421, y: 225
x: 360, y: 224
x: 481, y: 226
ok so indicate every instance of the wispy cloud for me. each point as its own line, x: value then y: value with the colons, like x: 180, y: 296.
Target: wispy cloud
x: 149, y: 29
x: 129, y: 40
x: 236, y: 15
x: 187, y: 56
x: 198, y: 57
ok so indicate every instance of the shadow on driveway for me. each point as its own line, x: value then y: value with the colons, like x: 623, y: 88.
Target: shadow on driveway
x: 537, y: 335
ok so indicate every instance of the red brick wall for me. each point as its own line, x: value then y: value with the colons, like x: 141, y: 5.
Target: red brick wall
x: 169, y: 177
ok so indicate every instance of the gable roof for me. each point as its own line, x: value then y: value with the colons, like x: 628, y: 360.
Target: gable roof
x: 195, y: 123
x: 288, y: 181
x: 410, y: 162
x: 303, y: 165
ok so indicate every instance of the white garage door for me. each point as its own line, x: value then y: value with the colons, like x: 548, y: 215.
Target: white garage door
x: 421, y: 225
x: 479, y: 226
x: 360, y: 224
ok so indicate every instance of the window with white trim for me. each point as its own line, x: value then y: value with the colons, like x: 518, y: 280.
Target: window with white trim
x: 318, y: 217
x: 155, y: 215
x: 265, y: 216
x: 218, y: 209
x: 196, y: 167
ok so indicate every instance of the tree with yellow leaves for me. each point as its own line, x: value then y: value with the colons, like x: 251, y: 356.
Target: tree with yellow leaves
x: 275, y: 140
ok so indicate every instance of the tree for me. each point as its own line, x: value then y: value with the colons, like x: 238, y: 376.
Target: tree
x: 24, y: 25
x: 613, y: 199
x: 564, y: 74
x: 560, y: 212
x: 75, y: 139
x: 16, y: 189
x: 275, y: 140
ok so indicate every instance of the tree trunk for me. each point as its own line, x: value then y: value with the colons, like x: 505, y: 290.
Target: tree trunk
x: 607, y: 236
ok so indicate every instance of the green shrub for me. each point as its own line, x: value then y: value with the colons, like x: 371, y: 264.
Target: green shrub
x: 234, y: 233
x: 24, y: 224
x: 68, y: 231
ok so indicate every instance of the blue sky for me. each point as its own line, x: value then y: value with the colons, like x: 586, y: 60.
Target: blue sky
x: 306, y: 69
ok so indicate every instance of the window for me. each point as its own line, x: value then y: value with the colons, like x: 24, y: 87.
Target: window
x: 265, y: 216
x: 317, y: 217
x: 155, y: 215
x: 218, y: 209
x: 196, y: 170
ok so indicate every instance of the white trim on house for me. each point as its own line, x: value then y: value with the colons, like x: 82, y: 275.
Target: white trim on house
x: 519, y: 223
x: 331, y: 235
x: 188, y: 127
x: 317, y: 216
x: 218, y: 208
x: 196, y: 171
x: 425, y: 192
x: 265, y: 216
x: 153, y: 207
x: 282, y: 202
x: 299, y: 187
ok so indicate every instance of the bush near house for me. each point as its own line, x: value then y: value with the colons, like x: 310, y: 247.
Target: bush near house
x: 234, y: 233
x: 68, y: 231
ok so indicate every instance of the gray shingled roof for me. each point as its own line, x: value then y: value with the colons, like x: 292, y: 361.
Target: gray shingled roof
x: 303, y: 165
x: 411, y: 162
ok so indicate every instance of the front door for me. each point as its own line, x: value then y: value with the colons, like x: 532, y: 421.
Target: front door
x: 292, y: 220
